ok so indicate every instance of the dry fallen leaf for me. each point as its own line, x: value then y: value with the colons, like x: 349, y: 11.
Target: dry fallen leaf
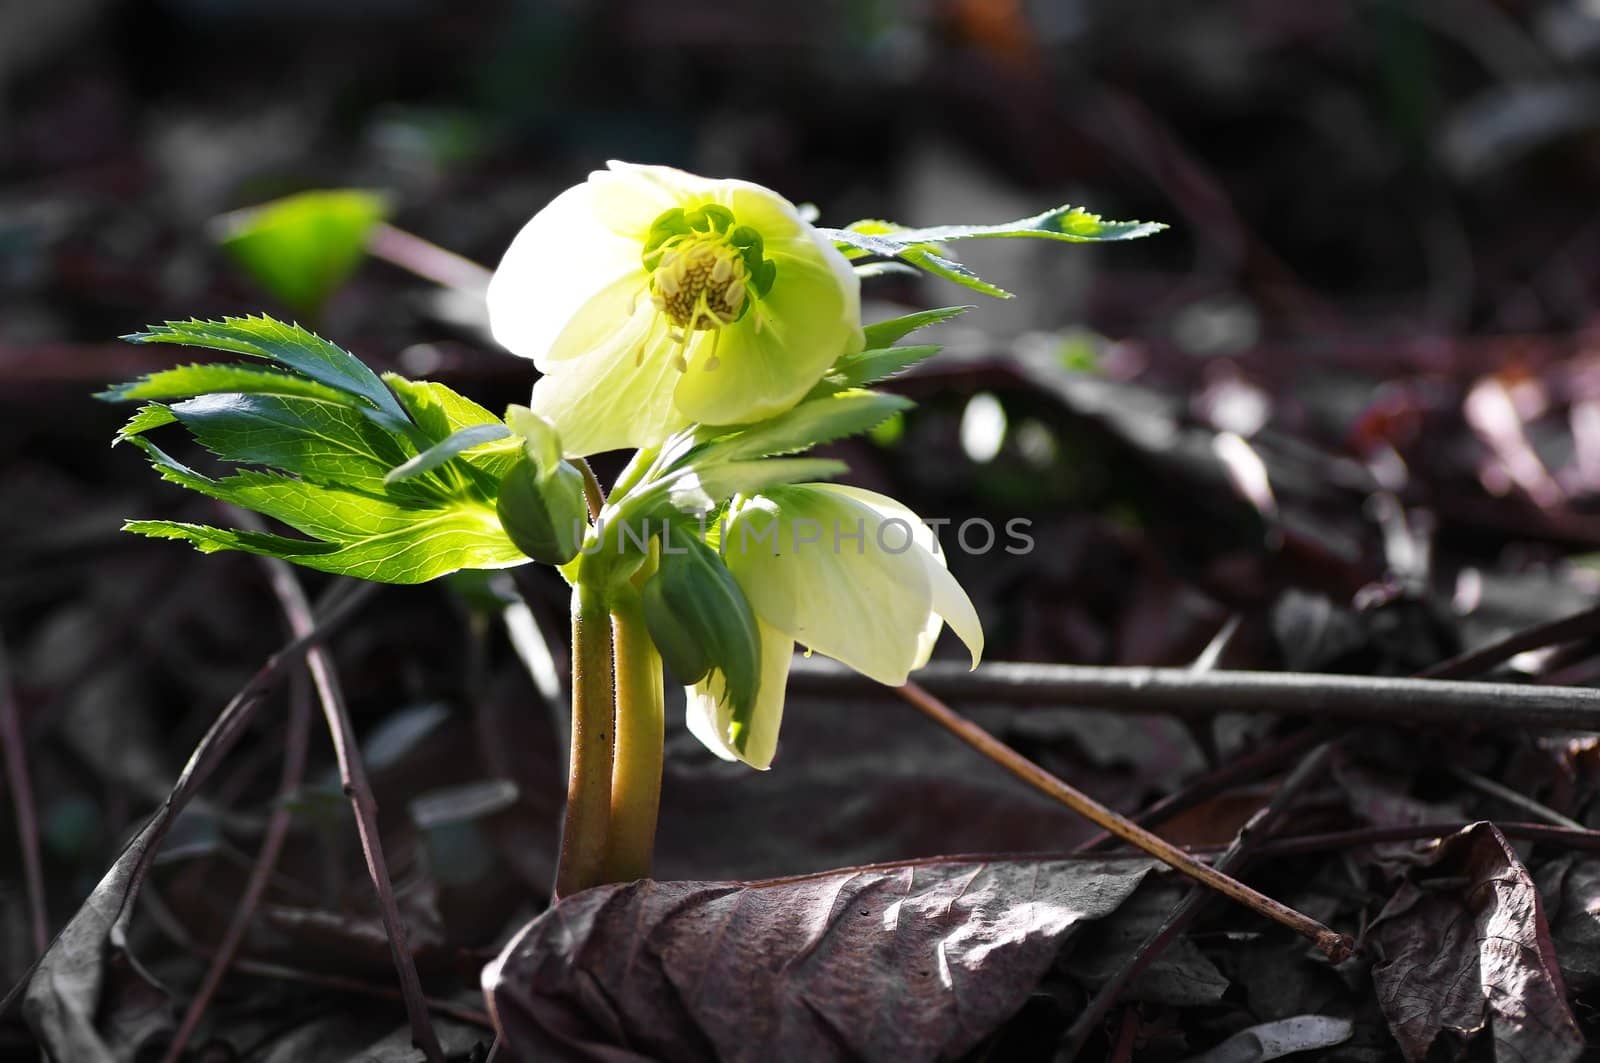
x: 1466, y: 948
x: 912, y: 961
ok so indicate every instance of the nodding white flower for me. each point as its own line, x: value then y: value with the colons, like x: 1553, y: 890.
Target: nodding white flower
x: 651, y: 299
x: 850, y: 574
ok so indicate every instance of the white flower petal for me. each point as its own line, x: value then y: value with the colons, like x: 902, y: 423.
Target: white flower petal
x: 854, y: 601
x: 710, y: 717
x: 615, y: 396
x: 950, y: 601
x: 562, y: 259
x: 629, y: 198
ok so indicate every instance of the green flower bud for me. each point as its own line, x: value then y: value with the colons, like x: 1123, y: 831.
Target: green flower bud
x: 544, y: 516
x: 700, y: 621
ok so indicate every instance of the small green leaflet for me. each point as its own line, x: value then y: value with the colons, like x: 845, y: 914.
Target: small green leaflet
x: 809, y: 424
x: 447, y: 448
x: 290, y: 346
x: 318, y: 441
x: 867, y: 367
x: 881, y: 360
x: 1072, y: 224
x: 392, y: 480
x: 151, y: 415
x: 440, y: 412
x: 303, y: 247
x: 892, y: 331
x: 922, y: 247
x: 185, y: 381
x: 387, y: 540
x: 882, y: 238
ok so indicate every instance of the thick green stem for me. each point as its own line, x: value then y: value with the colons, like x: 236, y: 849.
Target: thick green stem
x: 583, y: 835
x: 636, y: 774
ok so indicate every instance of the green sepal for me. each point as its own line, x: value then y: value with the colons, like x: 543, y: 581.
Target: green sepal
x: 546, y: 516
x: 700, y: 621
x: 540, y: 441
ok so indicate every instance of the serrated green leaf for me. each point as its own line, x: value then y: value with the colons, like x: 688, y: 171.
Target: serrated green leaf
x: 868, y: 367
x: 452, y: 445
x: 881, y: 238
x: 440, y: 412
x: 318, y: 441
x: 290, y: 346
x: 388, y: 539
x: 185, y: 381
x: 329, y: 513
x: 1072, y: 224
x: 888, y: 333
x: 151, y: 415
x: 809, y: 424
x: 209, y: 540
x: 303, y: 247
x: 426, y: 549
x: 924, y: 248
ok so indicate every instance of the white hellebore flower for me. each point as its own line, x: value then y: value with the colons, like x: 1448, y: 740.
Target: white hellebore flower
x: 651, y: 299
x: 850, y: 574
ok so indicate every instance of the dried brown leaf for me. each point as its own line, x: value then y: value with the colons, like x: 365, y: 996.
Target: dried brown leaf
x: 1466, y: 948
x: 913, y: 961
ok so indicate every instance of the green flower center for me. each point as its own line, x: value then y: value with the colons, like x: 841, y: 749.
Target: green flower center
x: 705, y: 269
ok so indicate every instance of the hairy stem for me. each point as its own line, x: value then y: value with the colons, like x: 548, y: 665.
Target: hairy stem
x: 582, y: 862
x: 636, y: 775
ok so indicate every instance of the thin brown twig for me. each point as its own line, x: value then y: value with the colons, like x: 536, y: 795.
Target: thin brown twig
x: 1587, y: 840
x: 1250, y: 765
x: 297, y: 734
x: 21, y: 790
x: 353, y: 775
x: 1504, y: 793
x: 223, y: 734
x: 1233, y: 859
x: 1180, y: 692
x: 355, y: 985
x: 1333, y: 944
x: 1480, y: 660
x: 1257, y: 762
x: 1460, y: 666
